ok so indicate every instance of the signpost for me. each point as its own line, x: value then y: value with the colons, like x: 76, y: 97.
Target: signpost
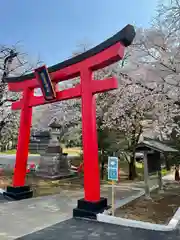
x: 113, y: 175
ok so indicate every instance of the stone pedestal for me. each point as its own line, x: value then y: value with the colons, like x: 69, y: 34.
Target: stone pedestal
x: 53, y: 163
x: 53, y: 166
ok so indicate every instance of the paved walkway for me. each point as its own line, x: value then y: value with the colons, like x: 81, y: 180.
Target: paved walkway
x: 11, y: 158
x: 26, y: 216
x: 169, y: 177
x: 91, y: 230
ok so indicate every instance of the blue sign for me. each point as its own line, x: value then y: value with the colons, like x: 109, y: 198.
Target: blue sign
x: 44, y: 79
x: 113, y: 168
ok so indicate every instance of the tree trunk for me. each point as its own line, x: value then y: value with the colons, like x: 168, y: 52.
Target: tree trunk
x: 102, y: 161
x: 136, y: 133
x: 102, y: 170
x: 132, y: 169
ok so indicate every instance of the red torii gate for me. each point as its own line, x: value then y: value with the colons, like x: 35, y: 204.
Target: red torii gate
x: 108, y: 52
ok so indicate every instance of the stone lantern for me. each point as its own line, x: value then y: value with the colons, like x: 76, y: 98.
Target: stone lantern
x: 53, y: 163
x: 54, y: 145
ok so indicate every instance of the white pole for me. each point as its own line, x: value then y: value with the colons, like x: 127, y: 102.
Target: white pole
x: 113, y: 207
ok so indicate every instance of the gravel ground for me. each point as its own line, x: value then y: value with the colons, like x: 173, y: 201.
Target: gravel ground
x: 159, y: 209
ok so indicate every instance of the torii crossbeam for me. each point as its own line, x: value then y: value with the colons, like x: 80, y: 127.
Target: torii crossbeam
x: 83, y: 65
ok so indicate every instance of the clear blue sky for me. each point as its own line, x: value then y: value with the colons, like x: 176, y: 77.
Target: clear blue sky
x: 53, y: 28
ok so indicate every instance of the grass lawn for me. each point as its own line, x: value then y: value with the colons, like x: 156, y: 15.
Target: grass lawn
x: 13, y: 151
x: 73, y: 151
x: 165, y: 172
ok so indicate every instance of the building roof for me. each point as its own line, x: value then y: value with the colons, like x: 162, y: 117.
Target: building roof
x: 157, y: 146
x: 55, y: 124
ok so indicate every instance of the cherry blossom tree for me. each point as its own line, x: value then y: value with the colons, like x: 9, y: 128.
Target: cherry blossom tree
x: 168, y: 13
x: 132, y: 106
x: 12, y: 62
x: 154, y: 61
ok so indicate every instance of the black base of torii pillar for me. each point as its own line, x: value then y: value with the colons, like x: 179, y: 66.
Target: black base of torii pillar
x: 18, y: 193
x: 86, y: 209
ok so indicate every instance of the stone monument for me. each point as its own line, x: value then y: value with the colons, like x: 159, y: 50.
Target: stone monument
x: 39, y: 141
x: 53, y: 163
